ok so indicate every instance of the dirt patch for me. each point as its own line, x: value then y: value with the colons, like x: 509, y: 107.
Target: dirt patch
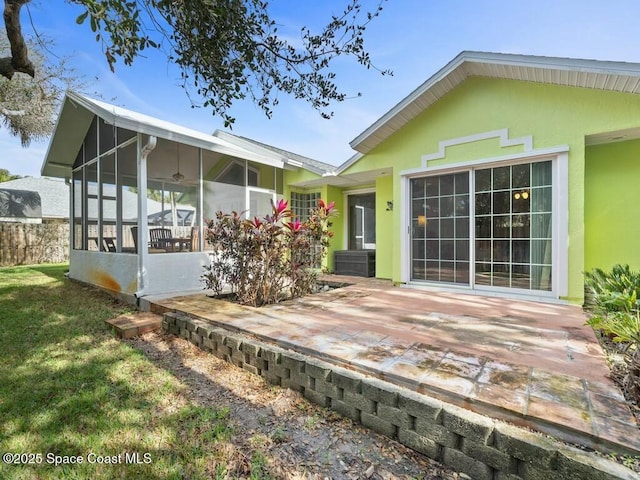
x: 299, y: 440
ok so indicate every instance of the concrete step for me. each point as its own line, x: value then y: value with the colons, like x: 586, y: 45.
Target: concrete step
x: 134, y: 324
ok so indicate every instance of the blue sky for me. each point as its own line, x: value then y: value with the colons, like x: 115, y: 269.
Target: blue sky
x: 414, y: 38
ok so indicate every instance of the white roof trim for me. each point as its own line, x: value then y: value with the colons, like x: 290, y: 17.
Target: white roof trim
x: 148, y: 125
x: 604, y: 75
x: 354, y: 158
x: 259, y: 147
x: 58, y: 161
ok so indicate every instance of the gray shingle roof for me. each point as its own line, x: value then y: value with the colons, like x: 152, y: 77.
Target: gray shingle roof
x: 311, y: 164
x: 54, y: 194
x: 19, y: 205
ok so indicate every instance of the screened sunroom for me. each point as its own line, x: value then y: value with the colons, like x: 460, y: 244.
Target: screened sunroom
x: 142, y: 189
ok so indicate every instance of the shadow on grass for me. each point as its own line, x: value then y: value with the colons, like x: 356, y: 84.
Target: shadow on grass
x: 70, y: 389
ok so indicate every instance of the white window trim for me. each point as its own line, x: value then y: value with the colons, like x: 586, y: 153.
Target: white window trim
x: 559, y: 157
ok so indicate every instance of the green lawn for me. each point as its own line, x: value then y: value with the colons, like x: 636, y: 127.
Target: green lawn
x: 69, y: 389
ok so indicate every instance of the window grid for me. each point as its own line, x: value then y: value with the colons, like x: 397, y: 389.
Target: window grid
x: 440, y: 215
x: 301, y: 203
x: 513, y: 226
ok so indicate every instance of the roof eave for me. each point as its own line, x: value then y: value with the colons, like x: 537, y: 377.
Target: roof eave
x: 460, y: 68
x: 405, y: 102
x: 57, y: 149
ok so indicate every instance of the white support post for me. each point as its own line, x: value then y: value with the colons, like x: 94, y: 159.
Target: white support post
x: 143, y: 227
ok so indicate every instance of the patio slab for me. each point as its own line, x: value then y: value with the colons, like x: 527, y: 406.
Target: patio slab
x: 534, y: 364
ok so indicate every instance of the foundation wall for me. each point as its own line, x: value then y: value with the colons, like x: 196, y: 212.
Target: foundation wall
x: 478, y: 446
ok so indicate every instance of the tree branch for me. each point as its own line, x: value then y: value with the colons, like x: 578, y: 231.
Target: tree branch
x: 19, y: 61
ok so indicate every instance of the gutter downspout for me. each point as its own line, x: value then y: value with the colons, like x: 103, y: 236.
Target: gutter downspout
x: 143, y: 227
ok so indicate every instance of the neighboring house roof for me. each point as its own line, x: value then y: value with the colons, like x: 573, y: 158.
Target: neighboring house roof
x: 77, y: 113
x: 129, y: 204
x: 53, y: 192
x: 20, y: 206
x: 54, y: 195
x: 614, y: 76
x: 315, y: 166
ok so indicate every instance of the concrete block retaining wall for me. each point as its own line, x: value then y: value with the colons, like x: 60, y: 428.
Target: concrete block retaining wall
x: 478, y: 446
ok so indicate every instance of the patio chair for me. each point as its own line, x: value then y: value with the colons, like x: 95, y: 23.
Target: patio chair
x: 161, y: 238
x: 109, y: 244
x: 195, y: 239
x: 134, y: 234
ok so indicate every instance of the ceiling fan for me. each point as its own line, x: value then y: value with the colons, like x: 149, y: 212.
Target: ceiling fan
x: 178, y: 177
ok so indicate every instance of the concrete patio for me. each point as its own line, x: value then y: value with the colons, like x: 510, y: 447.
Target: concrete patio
x: 533, y: 364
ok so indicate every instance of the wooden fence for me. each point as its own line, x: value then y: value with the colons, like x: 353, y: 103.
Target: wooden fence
x: 29, y: 244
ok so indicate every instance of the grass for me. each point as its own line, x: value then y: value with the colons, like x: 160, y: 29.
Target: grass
x: 70, y: 390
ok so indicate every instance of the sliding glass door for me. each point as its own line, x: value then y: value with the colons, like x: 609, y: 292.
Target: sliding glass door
x: 440, y: 218
x: 513, y: 237
x: 503, y: 241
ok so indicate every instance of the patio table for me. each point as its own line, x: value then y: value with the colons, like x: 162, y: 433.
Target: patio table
x: 183, y: 243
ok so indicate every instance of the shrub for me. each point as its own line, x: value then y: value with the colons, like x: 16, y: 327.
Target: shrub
x: 267, y: 260
x: 617, y: 307
x: 617, y: 314
x: 615, y: 291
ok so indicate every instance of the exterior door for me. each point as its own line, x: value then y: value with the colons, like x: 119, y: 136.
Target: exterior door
x: 259, y: 201
x: 362, y: 221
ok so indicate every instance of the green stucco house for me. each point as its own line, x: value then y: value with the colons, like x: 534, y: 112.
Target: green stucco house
x: 501, y: 174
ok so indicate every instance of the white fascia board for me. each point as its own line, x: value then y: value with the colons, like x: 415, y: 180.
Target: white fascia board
x: 44, y: 171
x: 290, y: 163
x: 596, y: 67
x: 555, y: 63
x: 248, y: 145
x: 409, y: 99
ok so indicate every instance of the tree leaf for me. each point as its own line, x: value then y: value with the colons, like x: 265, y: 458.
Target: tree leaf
x: 81, y: 18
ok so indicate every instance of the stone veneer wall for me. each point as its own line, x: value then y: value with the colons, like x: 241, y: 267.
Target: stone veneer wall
x: 478, y: 446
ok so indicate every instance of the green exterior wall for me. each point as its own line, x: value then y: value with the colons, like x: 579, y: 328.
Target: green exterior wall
x: 328, y: 194
x: 612, y: 229
x: 385, y: 251
x: 552, y: 115
x: 300, y: 175
x: 334, y: 194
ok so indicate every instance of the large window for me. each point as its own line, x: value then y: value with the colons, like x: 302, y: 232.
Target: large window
x: 109, y: 204
x: 508, y: 234
x: 101, y: 173
x: 78, y: 209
